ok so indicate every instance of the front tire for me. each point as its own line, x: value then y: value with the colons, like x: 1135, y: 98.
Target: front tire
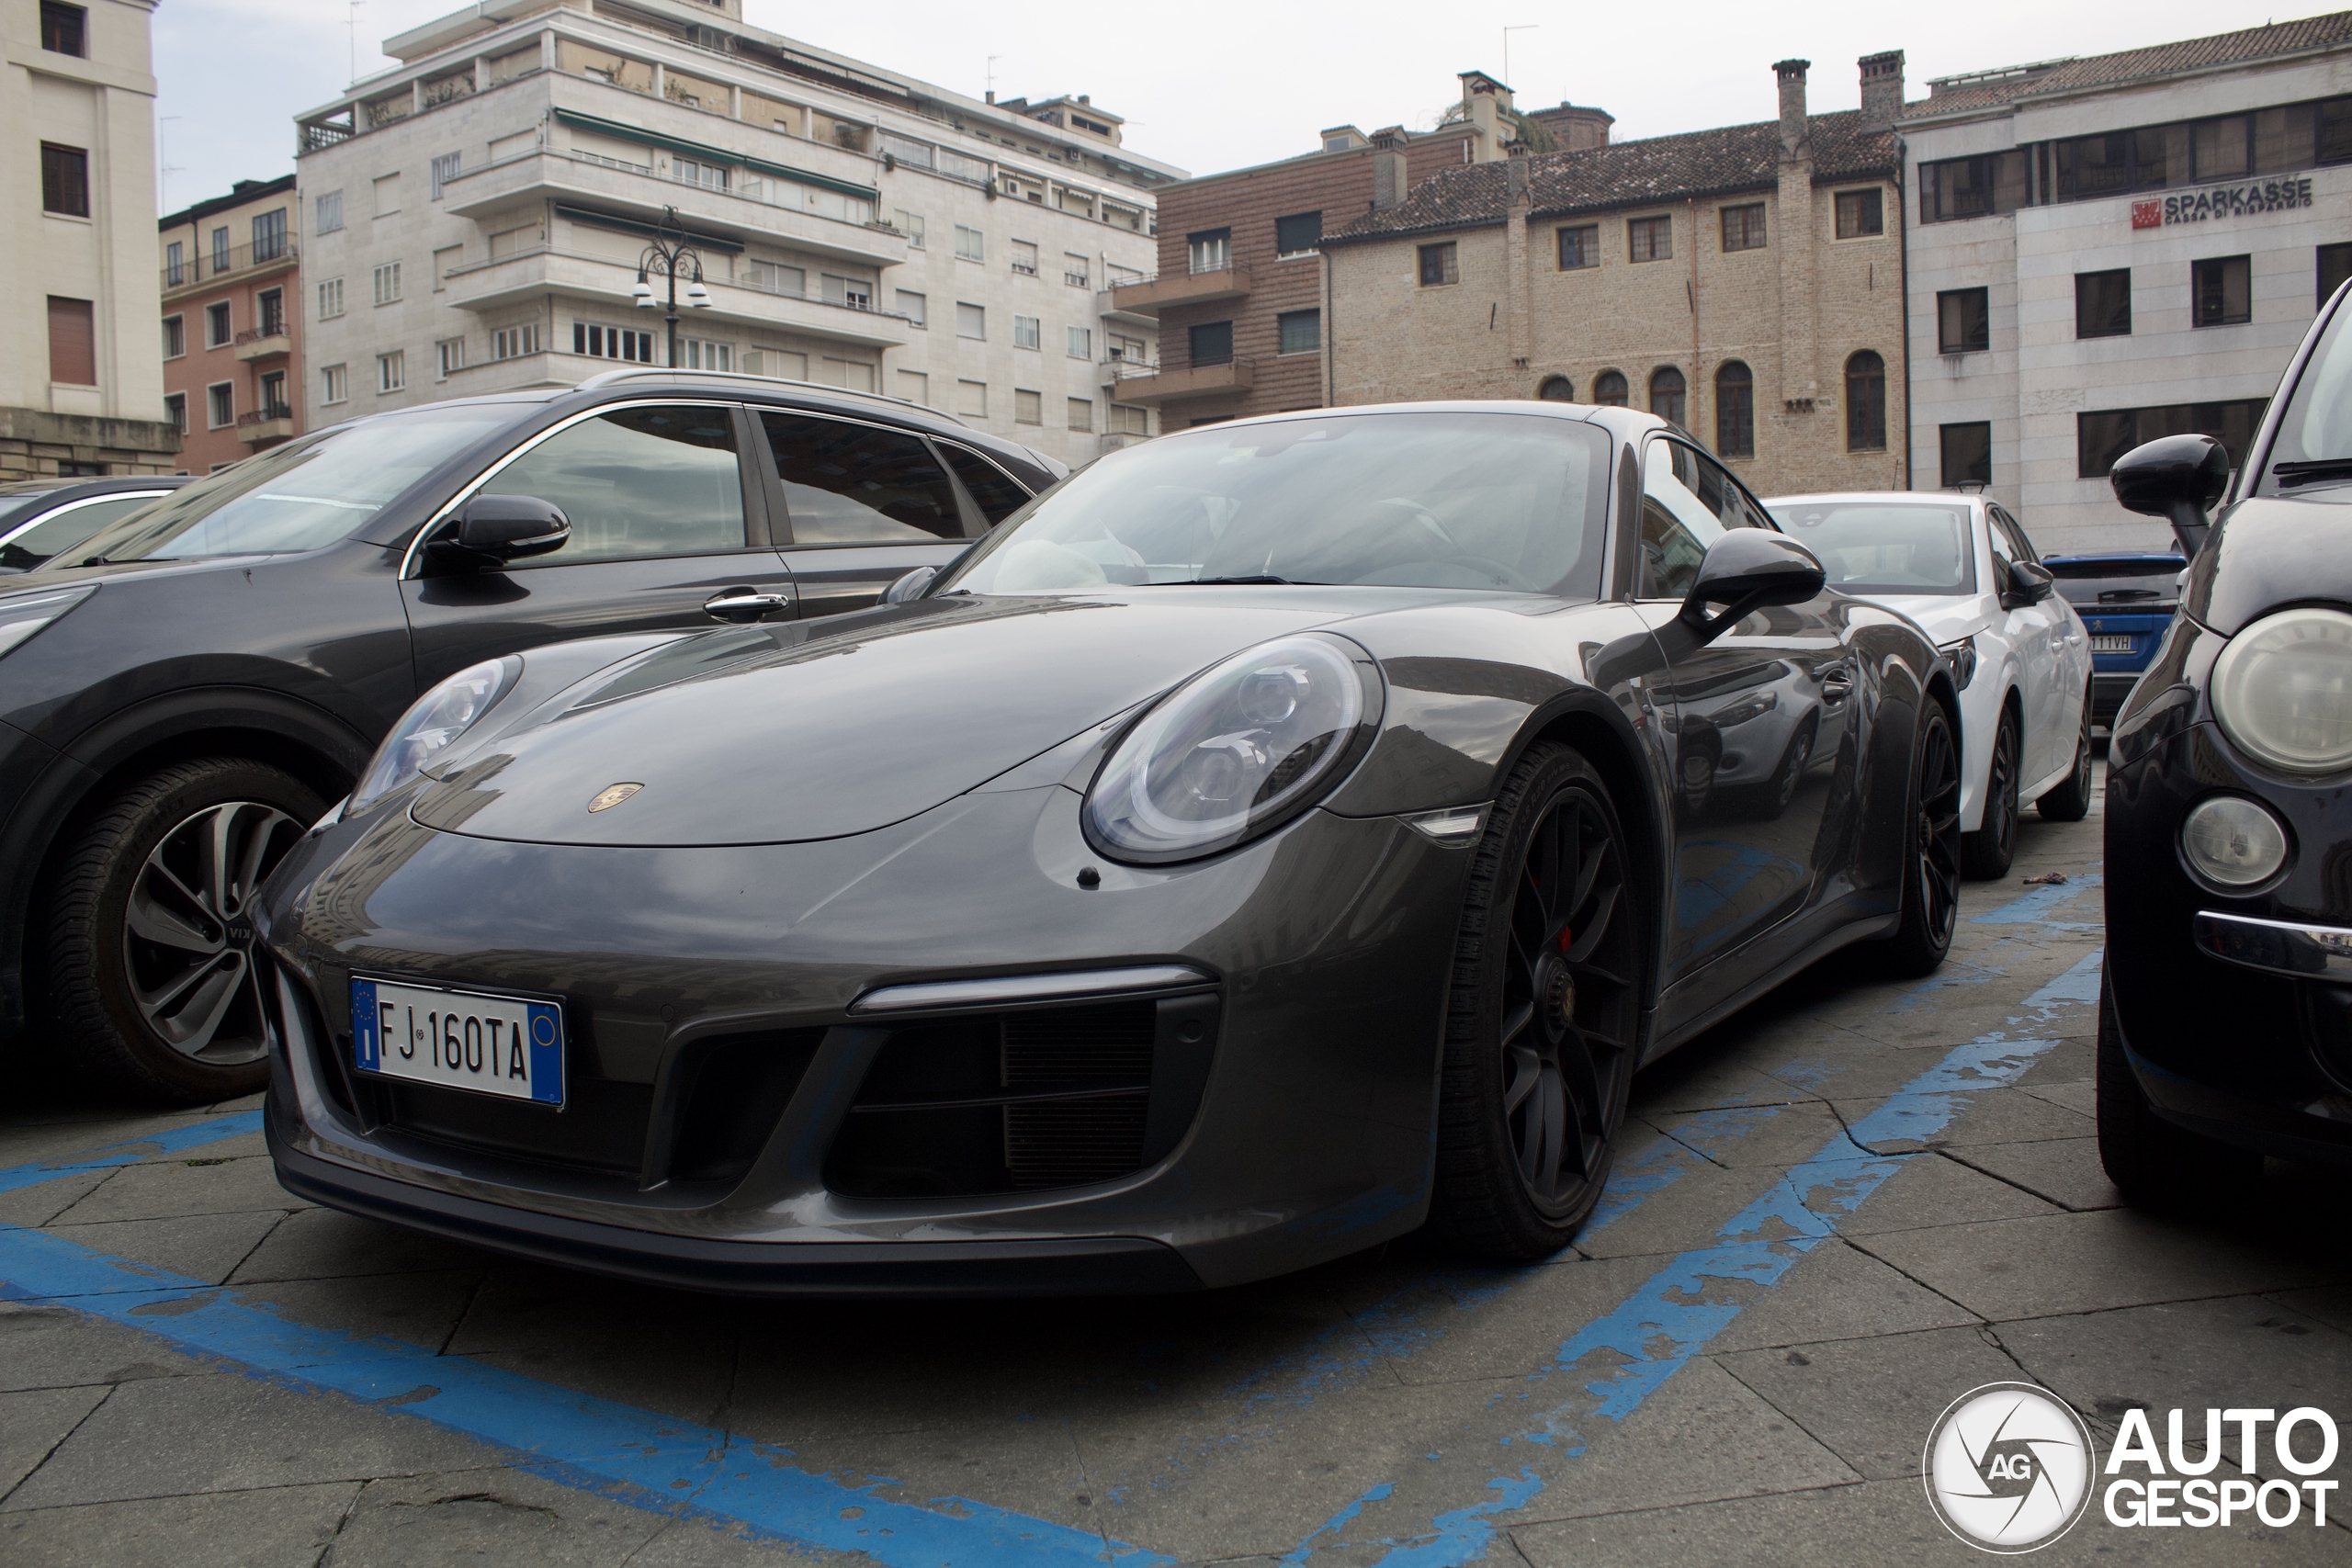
x: 1542, y: 1018
x: 2071, y: 801
x: 1930, y: 852
x: 1986, y: 854
x: 151, y: 965
x: 2152, y: 1163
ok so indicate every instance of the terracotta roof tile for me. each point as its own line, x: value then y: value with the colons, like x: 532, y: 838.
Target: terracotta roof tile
x: 2137, y: 64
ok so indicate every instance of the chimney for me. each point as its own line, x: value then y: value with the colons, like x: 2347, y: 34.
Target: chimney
x: 1792, y: 121
x: 1389, y: 181
x: 1882, y: 90
x: 1516, y: 172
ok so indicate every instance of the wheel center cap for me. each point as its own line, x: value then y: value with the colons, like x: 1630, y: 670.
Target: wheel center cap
x: 241, y: 933
x: 1556, y: 995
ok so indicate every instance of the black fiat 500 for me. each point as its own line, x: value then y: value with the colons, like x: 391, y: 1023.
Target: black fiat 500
x: 2225, y: 1021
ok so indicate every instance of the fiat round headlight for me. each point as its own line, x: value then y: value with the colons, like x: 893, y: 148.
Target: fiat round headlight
x: 2282, y: 691
x: 2233, y: 841
x: 1236, y: 751
x: 429, y: 728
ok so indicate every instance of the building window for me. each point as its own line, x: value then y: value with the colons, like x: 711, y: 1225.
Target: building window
x: 175, y: 266
x: 330, y: 213
x: 595, y: 342
x: 452, y: 354
x: 700, y: 354
x: 2103, y: 437
x: 1744, y: 227
x: 1299, y: 331
x: 1735, y: 410
x: 64, y: 30
x: 1967, y: 453
x: 1025, y: 259
x: 685, y: 171
x: 1866, y: 403
x: 2103, y: 303
x: 971, y: 245
x: 971, y: 321
x: 174, y: 336
x: 1118, y: 346
x: 269, y: 235
x: 1082, y: 414
x: 392, y: 371
x: 270, y: 308
x: 514, y: 343
x: 1438, y: 265
x: 1667, y: 393
x: 1971, y: 187
x: 913, y: 307
x: 2334, y: 266
x: 273, y: 396
x: 176, y: 410
x: 445, y: 169
x: 972, y: 400
x: 1608, y: 389
x: 1027, y: 332
x: 330, y: 299
x: 910, y: 224
x: 1579, y: 246
x: 1963, y: 320
x: 1210, y: 250
x: 1212, y: 343
x: 1079, y: 342
x: 772, y: 277
x: 1861, y: 213
x: 388, y: 283
x: 1028, y: 408
x: 221, y: 249
x: 65, y: 180
x: 1557, y: 390
x: 72, y: 342
x: 1074, y: 269
x: 218, y: 328
x: 1649, y: 239
x: 221, y: 404
x: 1300, y: 234
x: 855, y: 293
x: 2221, y: 291
x: 2155, y: 157
x: 1129, y: 419
x: 334, y: 383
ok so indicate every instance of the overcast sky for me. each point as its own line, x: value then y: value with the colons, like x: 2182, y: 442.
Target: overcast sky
x: 1207, y: 84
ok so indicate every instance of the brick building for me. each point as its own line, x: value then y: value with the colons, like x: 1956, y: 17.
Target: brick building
x: 232, y: 343
x: 1745, y: 282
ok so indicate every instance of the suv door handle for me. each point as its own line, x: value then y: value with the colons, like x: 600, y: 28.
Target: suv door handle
x: 743, y: 606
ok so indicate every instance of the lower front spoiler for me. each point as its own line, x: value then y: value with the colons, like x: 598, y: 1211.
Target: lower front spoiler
x: 1100, y: 1266
x: 2235, y: 1120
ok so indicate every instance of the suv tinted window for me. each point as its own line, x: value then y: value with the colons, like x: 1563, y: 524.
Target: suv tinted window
x: 855, y: 484
x: 1687, y: 502
x: 998, y: 497
x: 636, y: 482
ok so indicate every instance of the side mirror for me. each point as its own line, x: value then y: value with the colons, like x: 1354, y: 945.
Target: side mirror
x: 2029, y: 584
x: 1745, y: 569
x: 494, y: 529
x: 910, y: 586
x: 2177, y: 477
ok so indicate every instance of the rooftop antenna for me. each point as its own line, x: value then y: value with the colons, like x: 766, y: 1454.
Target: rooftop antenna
x: 351, y: 24
x: 165, y: 167
x: 1522, y: 28
x: 992, y: 60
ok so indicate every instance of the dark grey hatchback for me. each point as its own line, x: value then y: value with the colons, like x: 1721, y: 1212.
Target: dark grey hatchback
x: 182, y: 701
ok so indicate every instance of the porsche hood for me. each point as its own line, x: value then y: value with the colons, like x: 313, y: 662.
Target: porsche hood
x: 832, y: 730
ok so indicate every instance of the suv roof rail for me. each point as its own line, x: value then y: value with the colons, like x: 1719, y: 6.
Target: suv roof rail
x: 666, y: 373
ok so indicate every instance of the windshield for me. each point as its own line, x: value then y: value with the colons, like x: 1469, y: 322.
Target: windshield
x: 2316, y: 428
x: 1475, y: 500
x: 1884, y: 547
x: 302, y: 495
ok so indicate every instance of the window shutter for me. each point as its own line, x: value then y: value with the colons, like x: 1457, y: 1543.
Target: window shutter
x: 73, y: 343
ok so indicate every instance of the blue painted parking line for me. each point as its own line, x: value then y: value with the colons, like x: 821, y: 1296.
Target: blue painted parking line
x: 172, y: 1140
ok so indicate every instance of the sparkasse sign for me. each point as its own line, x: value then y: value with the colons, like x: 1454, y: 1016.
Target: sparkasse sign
x: 2221, y: 201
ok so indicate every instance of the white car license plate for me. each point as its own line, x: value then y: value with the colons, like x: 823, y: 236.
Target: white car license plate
x: 2111, y: 645
x: 510, y: 1046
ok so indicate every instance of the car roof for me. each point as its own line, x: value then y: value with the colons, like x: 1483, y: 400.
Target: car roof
x: 102, y: 484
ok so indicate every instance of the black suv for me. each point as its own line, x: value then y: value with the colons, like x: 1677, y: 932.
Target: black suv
x: 209, y: 674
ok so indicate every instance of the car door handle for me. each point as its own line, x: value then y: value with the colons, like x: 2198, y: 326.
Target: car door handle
x: 743, y: 606
x: 1837, y: 686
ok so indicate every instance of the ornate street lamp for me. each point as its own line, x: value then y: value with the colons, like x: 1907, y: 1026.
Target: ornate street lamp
x: 671, y: 255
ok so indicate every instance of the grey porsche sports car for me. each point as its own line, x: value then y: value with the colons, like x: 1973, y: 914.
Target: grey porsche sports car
x: 1266, y: 842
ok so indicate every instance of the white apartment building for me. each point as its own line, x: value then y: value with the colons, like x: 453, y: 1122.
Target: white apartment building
x: 476, y: 220
x: 81, y: 367
x: 2110, y: 249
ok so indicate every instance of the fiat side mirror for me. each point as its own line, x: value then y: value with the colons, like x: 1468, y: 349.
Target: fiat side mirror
x: 2177, y: 477
x: 494, y: 529
x: 1745, y: 569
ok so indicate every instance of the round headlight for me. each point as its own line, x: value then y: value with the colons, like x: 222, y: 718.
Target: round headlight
x: 2233, y: 841
x: 430, y: 727
x: 1236, y: 751
x: 2282, y: 691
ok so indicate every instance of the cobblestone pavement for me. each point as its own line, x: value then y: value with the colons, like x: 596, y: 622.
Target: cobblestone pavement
x: 1832, y: 1216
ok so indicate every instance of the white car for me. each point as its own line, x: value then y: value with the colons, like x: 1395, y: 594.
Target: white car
x: 1963, y: 569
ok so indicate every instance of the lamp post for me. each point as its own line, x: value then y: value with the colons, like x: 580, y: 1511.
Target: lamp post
x: 670, y: 254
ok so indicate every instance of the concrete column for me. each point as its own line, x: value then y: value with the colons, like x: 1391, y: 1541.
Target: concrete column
x: 734, y: 101
x: 661, y: 81
x: 1800, y: 380
x: 549, y: 60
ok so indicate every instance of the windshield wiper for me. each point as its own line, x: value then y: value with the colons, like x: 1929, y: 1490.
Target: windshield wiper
x: 1283, y: 582
x: 2317, y: 468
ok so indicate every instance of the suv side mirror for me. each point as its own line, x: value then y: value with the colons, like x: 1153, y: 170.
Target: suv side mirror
x: 2177, y: 477
x: 494, y: 529
x: 2029, y: 584
x: 1745, y: 569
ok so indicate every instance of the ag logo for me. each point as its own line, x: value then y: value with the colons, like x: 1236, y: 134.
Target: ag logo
x: 2009, y: 1467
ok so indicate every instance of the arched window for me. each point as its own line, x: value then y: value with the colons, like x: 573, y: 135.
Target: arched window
x: 1667, y: 389
x: 1735, y: 411
x: 1608, y: 389
x: 1866, y: 403
x: 1557, y: 390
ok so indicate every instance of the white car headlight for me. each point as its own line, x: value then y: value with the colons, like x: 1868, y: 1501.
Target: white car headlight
x: 430, y: 727
x: 2282, y: 691
x: 1236, y: 751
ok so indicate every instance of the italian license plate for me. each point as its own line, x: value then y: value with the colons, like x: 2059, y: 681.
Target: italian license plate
x: 2111, y: 645
x: 509, y: 1046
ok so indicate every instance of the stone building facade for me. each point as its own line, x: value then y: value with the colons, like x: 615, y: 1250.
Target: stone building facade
x: 1745, y: 282
x: 81, y: 381
x: 233, y: 324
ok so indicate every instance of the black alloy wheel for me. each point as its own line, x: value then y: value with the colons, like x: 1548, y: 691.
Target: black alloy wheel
x: 2071, y: 801
x: 153, y: 973
x: 1539, y: 1045
x: 1986, y: 854
x: 1930, y: 852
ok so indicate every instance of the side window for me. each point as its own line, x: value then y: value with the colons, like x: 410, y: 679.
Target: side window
x: 2017, y: 541
x: 2005, y: 551
x: 636, y: 482
x: 999, y: 497
x: 1687, y: 502
x: 25, y: 546
x: 855, y: 484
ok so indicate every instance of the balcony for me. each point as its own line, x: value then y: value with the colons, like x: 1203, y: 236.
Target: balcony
x: 1150, y: 296
x: 258, y: 425
x: 1133, y: 381
x: 527, y: 278
x: 264, y: 343
x: 209, y: 267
